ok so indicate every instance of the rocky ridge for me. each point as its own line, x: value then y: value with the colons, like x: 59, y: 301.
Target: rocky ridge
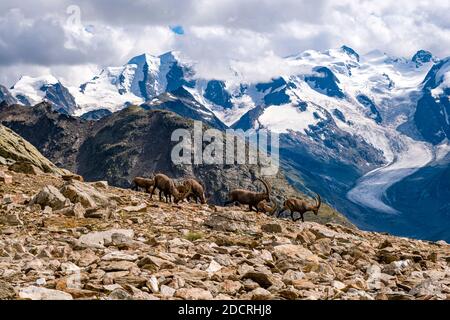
x: 61, y: 238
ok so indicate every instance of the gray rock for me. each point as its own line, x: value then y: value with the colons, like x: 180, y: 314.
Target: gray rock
x: 50, y: 196
x: 98, y: 239
x: 39, y: 293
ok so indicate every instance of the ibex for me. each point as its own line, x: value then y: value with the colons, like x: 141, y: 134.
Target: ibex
x: 197, y: 190
x: 264, y: 206
x: 145, y: 183
x: 249, y: 198
x: 300, y: 206
x: 167, y: 187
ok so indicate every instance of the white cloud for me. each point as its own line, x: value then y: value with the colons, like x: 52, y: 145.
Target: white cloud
x: 40, y: 35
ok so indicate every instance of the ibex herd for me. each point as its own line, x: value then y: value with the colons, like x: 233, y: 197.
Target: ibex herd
x: 192, y: 189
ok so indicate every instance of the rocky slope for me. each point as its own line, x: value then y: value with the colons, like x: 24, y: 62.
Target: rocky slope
x: 73, y: 240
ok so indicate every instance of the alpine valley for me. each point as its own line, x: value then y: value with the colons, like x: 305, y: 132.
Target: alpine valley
x: 368, y: 132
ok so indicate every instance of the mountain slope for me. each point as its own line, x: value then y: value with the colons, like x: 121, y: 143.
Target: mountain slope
x: 134, y: 142
x: 151, y: 250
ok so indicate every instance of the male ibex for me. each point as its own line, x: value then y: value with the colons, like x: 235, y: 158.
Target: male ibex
x: 145, y: 183
x: 264, y: 206
x: 300, y: 206
x: 249, y: 198
x: 167, y: 187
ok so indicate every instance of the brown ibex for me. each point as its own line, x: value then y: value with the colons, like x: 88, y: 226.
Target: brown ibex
x: 167, y: 187
x: 264, y: 206
x: 300, y: 206
x: 249, y: 198
x: 197, y: 190
x: 145, y: 183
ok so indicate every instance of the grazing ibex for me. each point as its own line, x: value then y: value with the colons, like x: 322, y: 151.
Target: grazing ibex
x: 197, y: 190
x: 144, y: 183
x: 167, y: 187
x: 264, y: 206
x: 300, y: 206
x: 249, y: 198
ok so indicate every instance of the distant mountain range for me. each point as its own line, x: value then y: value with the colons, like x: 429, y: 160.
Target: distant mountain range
x: 369, y: 132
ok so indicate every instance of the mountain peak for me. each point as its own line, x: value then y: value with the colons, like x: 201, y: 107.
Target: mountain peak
x: 422, y: 56
x: 350, y: 52
x: 142, y: 58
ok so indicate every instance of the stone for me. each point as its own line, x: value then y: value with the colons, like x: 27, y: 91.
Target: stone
x: 119, y: 294
x: 260, y: 294
x: 5, y: 178
x: 140, y: 208
x: 152, y: 284
x: 426, y: 287
x: 231, y: 221
x: 40, y: 293
x: 213, y: 267
x: 119, y: 255
x: 265, y: 280
x: 289, y: 251
x: 68, y: 268
x: 72, y: 176
x: 154, y: 263
x: 50, y: 196
x: 230, y: 287
x: 338, y: 285
x: 11, y: 220
x: 271, y: 228
x: 193, y: 294
x: 116, y: 265
x: 98, y: 239
x: 25, y: 167
x: 100, y: 184
x: 87, y: 257
x: 76, y: 210
x: 85, y: 194
x: 167, y: 291
x: 292, y: 275
x: 6, y: 291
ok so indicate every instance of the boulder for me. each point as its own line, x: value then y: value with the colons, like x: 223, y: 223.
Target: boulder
x: 193, y: 294
x: 39, y: 293
x: 5, y: 178
x: 50, y: 196
x: 98, y: 239
x: 87, y: 195
x: 25, y: 167
x: 6, y: 291
x: 231, y: 221
x: 271, y: 228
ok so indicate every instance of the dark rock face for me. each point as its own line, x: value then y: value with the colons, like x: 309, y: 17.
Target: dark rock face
x: 432, y: 116
x: 95, y: 114
x: 350, y: 52
x: 372, y: 110
x: 59, y: 97
x: 216, y: 93
x: 275, y: 91
x: 5, y: 96
x: 325, y: 82
x: 57, y: 136
x: 421, y: 57
x: 247, y: 121
x: 183, y: 103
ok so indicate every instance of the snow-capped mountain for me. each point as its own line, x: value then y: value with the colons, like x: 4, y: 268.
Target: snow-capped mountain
x: 30, y: 91
x: 6, y: 96
x: 352, y: 126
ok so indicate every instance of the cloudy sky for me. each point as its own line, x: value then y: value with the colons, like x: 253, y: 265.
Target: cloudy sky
x: 74, y: 39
